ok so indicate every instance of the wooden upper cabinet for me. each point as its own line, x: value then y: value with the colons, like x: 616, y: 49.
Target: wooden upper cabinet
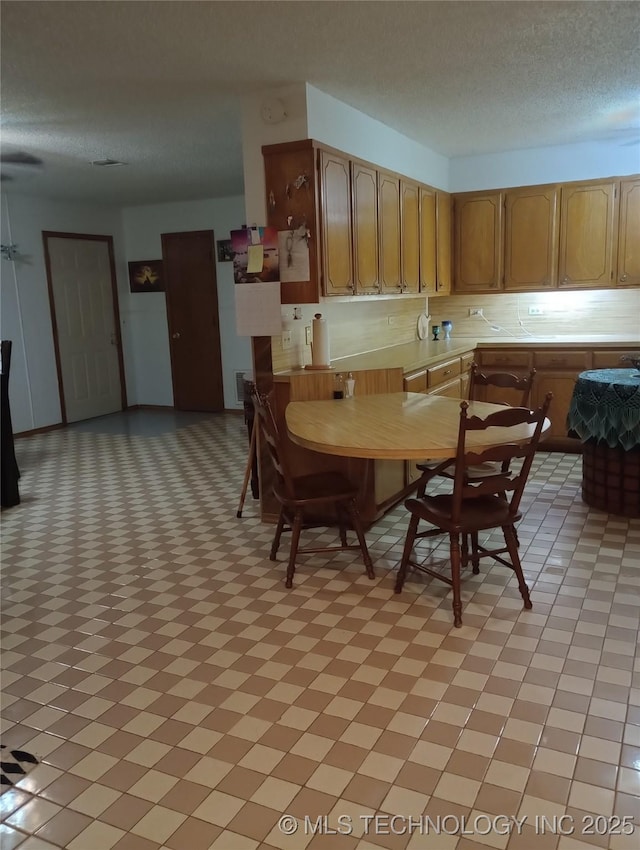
x: 588, y: 219
x: 444, y: 243
x: 389, y: 232
x: 478, y: 241
x: 629, y: 233
x: 410, y: 235
x: 427, y: 200
x: 335, y: 208
x: 364, y: 190
x: 531, y: 238
x: 291, y: 206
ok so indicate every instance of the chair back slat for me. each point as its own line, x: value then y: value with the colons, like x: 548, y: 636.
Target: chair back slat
x: 521, y: 384
x: 271, y: 438
x: 509, y: 480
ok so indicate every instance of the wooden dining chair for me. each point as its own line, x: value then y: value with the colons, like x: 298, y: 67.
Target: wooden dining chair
x: 478, y: 505
x: 517, y: 388
x: 308, y: 501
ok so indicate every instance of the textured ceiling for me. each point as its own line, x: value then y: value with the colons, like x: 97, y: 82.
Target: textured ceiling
x: 157, y: 84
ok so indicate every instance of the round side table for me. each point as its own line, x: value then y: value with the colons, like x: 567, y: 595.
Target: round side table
x: 605, y: 414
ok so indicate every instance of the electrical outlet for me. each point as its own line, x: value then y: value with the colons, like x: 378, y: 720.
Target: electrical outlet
x: 475, y: 311
x: 536, y: 311
x: 286, y: 340
x: 307, y: 335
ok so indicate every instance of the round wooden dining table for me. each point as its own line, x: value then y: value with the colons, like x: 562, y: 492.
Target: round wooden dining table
x: 402, y: 426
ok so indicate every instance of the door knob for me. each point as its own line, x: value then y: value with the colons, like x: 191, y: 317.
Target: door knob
x: 176, y: 335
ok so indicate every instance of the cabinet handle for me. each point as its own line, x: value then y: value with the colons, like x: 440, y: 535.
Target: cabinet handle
x: 565, y: 280
x: 447, y: 372
x: 623, y: 277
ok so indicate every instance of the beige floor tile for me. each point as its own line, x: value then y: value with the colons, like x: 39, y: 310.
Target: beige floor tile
x: 151, y: 650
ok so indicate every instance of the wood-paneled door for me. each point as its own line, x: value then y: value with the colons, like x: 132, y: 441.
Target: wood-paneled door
x: 335, y: 195
x: 478, y: 251
x: 588, y: 219
x: 410, y: 236
x: 364, y: 190
x: 427, y: 240
x: 531, y: 238
x: 389, y: 222
x: 629, y: 233
x: 444, y: 243
x: 192, y: 312
x: 83, y: 297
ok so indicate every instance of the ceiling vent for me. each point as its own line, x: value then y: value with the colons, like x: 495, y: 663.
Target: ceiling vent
x: 107, y: 163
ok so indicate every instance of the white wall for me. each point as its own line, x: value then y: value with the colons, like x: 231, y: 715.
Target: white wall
x: 559, y: 164
x: 144, y: 315
x: 25, y: 315
x: 256, y: 133
x: 24, y: 300
x: 340, y: 126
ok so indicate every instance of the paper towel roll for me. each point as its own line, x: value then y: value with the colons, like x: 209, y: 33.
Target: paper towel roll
x: 320, y: 346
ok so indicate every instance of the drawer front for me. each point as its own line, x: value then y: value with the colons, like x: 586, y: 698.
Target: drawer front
x: 501, y: 359
x: 577, y: 360
x: 416, y: 383
x: 611, y: 359
x: 443, y: 372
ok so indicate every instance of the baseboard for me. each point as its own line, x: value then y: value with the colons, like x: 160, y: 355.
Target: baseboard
x: 45, y: 429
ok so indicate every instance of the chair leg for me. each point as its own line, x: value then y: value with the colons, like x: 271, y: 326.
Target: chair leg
x: 296, y: 528
x: 276, y: 537
x: 357, y: 527
x: 406, y: 554
x: 465, y: 551
x: 475, y: 558
x: 455, y: 579
x: 342, y: 525
x: 512, y: 545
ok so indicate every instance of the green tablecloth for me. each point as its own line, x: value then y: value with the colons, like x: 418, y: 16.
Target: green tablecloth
x: 606, y: 406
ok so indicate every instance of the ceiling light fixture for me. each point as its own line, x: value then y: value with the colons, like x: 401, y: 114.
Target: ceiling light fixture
x: 107, y: 163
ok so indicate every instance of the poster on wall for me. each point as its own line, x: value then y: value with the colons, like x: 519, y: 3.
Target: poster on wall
x: 255, y: 255
x: 256, y: 273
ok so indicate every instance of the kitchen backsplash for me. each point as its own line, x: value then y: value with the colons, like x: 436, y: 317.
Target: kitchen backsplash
x: 357, y: 327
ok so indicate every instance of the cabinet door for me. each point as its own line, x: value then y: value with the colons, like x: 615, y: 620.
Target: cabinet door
x: 561, y: 384
x: 335, y: 197
x: 453, y: 389
x: 364, y: 187
x: 410, y: 236
x: 427, y: 240
x: 531, y: 238
x: 587, y: 225
x: 389, y: 231
x: 444, y: 243
x: 478, y: 241
x: 629, y: 234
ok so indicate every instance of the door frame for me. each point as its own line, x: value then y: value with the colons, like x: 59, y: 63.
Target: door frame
x: 47, y: 234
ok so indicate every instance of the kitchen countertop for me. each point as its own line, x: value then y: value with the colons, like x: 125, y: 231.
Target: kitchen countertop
x: 423, y: 353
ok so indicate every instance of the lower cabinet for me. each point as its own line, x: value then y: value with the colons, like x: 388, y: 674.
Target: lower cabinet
x: 450, y: 378
x: 556, y: 373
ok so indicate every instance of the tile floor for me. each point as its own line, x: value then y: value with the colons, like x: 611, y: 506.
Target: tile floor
x: 177, y: 696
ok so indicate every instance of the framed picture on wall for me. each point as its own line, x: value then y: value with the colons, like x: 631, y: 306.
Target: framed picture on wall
x: 225, y: 253
x: 146, y: 276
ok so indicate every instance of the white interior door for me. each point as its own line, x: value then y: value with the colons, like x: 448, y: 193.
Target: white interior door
x: 80, y: 278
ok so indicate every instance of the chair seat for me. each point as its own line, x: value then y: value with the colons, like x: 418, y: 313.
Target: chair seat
x: 475, y: 473
x: 477, y: 514
x: 319, y: 487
